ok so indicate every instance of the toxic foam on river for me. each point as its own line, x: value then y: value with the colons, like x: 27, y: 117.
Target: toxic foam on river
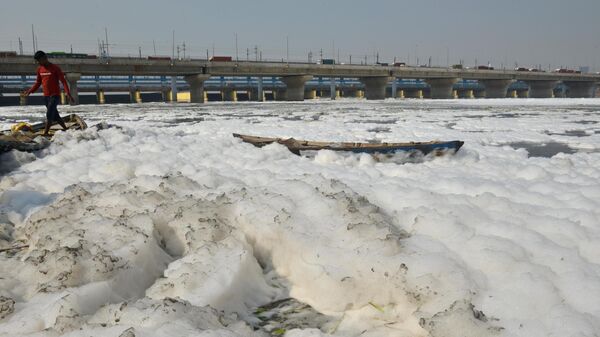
x: 171, y: 227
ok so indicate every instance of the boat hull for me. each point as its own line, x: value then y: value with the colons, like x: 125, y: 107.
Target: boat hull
x: 297, y: 146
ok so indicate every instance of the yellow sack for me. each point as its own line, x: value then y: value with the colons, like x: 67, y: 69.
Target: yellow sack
x: 22, y: 126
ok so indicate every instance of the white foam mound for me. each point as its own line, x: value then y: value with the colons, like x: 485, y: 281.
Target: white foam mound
x: 170, y: 227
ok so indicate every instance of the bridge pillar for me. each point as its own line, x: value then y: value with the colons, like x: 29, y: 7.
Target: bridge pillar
x: 135, y: 96
x: 310, y: 94
x: 541, y: 89
x: 479, y: 93
x: 229, y: 95
x: 166, y: 95
x: 196, y: 83
x: 496, y: 88
x: 513, y: 94
x: 260, y: 97
x: 413, y: 93
x: 441, y: 88
x: 279, y: 95
x: 375, y: 86
x: 256, y: 95
x: 295, y: 86
x: 72, y: 79
x: 522, y: 93
x: 465, y: 93
x: 100, y: 98
x: 580, y: 89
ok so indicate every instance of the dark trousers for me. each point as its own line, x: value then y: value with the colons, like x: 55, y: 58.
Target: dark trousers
x: 51, y: 110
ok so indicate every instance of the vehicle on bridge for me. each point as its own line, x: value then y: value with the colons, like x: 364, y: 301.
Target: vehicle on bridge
x: 326, y: 61
x: 485, y: 68
x: 221, y: 59
x: 399, y: 64
x: 565, y: 71
x: 62, y: 54
x: 457, y: 66
x: 522, y: 69
x: 8, y: 53
x: 159, y: 58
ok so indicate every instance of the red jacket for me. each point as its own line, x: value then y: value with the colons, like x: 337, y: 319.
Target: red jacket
x: 48, y: 77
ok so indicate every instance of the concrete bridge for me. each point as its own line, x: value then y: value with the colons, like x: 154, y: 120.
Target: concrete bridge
x: 373, y: 78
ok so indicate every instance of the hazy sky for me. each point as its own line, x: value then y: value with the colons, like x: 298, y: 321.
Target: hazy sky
x: 530, y: 32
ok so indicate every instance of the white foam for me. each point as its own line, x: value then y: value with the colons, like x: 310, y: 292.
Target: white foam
x: 486, y: 242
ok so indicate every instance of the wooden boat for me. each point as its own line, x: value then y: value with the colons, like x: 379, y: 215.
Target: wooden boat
x: 296, y: 146
x: 29, y: 137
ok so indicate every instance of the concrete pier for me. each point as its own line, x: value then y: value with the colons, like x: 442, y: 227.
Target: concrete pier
x: 522, y: 93
x: 465, y: 93
x: 135, y: 96
x: 260, y: 97
x: 100, y: 98
x: 580, y: 89
x: 72, y: 79
x: 375, y: 86
x: 229, y: 95
x: 332, y: 90
x: 413, y: 93
x: 541, y: 89
x: 310, y: 94
x: 166, y: 95
x: 559, y: 93
x: 174, y: 89
x: 196, y: 83
x: 496, y: 88
x: 479, y: 93
x: 441, y: 88
x: 295, y: 86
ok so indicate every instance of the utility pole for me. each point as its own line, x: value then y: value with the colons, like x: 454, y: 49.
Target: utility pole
x: 173, y: 46
x: 310, y: 54
x: 213, y: 49
x: 184, y: 50
x: 154, y: 46
x: 106, y: 40
x: 207, y: 57
x: 20, y: 46
x: 247, y: 54
x: 333, y: 49
x: 321, y: 54
x: 140, y: 51
x: 350, y: 58
x: 287, y: 49
x: 33, y: 39
x: 256, y: 53
x: 71, y: 49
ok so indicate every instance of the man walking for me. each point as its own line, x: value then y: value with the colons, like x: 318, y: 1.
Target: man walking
x: 48, y: 76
